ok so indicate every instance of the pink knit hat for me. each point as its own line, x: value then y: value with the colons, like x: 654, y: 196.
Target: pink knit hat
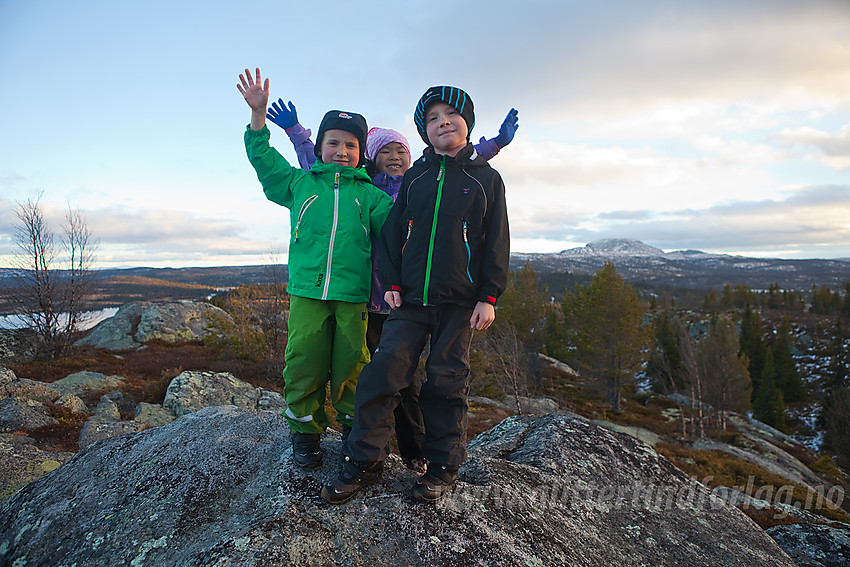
x: 377, y: 138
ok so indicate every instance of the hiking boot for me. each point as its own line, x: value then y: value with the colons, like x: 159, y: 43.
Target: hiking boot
x: 353, y: 477
x: 417, y: 465
x: 431, y: 486
x: 306, y: 451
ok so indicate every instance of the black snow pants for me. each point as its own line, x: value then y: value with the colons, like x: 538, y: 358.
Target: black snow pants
x: 443, y: 397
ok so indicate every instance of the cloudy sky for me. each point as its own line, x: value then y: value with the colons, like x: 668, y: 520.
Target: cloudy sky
x: 715, y: 125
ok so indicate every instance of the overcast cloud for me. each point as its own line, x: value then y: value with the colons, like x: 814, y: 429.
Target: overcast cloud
x: 715, y: 125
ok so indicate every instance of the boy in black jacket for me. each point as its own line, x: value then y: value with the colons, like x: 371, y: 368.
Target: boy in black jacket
x: 447, y: 247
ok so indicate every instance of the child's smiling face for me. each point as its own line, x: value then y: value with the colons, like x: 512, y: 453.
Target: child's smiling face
x: 340, y: 147
x: 446, y: 129
x: 392, y: 159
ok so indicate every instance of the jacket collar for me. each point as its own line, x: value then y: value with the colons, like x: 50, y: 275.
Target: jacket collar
x: 389, y: 184
x: 466, y: 156
x: 345, y: 172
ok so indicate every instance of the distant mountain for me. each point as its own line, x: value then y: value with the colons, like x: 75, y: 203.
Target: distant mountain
x: 636, y: 262
x: 639, y: 262
x: 215, y: 277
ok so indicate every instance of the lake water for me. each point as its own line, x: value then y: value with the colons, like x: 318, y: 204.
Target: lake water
x: 90, y: 319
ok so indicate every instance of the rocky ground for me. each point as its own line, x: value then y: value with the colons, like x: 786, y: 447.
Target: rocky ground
x: 218, y: 487
x: 138, y: 374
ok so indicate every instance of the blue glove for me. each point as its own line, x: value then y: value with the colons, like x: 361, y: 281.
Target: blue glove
x: 284, y: 118
x: 507, y: 129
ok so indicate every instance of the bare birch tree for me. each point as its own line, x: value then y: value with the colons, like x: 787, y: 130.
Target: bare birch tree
x: 49, y: 299
x: 693, y: 378
x: 506, y: 355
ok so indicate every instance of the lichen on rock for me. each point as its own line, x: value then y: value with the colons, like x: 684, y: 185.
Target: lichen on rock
x: 219, y: 486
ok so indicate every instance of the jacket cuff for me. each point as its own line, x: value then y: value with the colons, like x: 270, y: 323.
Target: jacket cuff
x: 298, y: 134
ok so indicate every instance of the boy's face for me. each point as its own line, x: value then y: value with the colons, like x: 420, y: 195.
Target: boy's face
x: 392, y: 159
x: 340, y: 147
x: 446, y: 128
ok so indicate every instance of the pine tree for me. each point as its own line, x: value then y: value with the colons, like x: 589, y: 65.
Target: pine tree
x: 752, y: 344
x: 845, y: 306
x: 726, y: 299
x: 604, y: 326
x: 723, y: 369
x: 523, y: 305
x: 768, y: 404
x: 788, y: 379
x: 837, y: 422
x: 665, y: 361
x: 836, y: 406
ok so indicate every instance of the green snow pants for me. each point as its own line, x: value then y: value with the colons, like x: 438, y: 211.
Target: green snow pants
x: 326, y: 343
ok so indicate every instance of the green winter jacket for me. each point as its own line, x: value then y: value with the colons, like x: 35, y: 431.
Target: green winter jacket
x: 333, y: 210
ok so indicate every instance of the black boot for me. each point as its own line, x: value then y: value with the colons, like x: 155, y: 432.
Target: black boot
x: 431, y: 486
x: 306, y: 451
x: 353, y: 477
x: 419, y: 465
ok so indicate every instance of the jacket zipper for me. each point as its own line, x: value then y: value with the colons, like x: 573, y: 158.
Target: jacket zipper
x: 333, y: 236
x: 468, y: 251
x: 440, y: 179
x: 360, y: 215
x: 407, y: 238
x: 304, y: 207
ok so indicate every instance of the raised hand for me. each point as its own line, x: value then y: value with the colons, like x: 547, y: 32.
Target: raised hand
x: 280, y: 115
x: 255, y: 92
x: 507, y: 129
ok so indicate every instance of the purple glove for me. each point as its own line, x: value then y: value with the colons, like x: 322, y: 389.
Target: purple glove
x: 507, y: 129
x: 284, y: 118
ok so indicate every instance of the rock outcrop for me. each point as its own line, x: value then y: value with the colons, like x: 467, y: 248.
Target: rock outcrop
x: 23, y: 408
x: 813, y: 545
x: 141, y: 322
x: 192, y: 391
x: 80, y: 383
x: 218, y: 487
x: 21, y: 462
x: 23, y: 402
x: 18, y: 345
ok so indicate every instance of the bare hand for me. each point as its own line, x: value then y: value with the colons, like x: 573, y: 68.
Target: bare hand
x: 483, y: 316
x: 393, y: 298
x: 255, y: 95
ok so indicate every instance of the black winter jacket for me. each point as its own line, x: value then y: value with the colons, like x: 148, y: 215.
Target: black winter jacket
x: 446, y: 238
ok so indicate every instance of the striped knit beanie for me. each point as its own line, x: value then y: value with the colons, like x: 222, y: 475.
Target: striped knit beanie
x: 452, y: 96
x: 377, y: 138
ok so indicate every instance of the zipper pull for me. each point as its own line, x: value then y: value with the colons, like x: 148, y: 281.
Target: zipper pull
x: 407, y: 238
x: 336, y: 181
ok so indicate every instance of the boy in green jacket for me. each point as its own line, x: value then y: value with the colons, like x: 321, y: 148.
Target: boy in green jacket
x: 334, y: 209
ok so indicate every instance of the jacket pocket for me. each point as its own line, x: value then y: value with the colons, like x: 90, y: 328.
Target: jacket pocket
x: 360, y: 215
x: 465, y: 229
x: 304, y: 206
x: 407, y: 238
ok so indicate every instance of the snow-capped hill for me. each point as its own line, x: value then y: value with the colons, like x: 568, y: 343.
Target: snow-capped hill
x: 640, y: 262
x: 624, y: 246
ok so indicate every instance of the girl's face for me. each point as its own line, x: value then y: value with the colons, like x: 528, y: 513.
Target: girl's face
x: 340, y: 147
x: 392, y: 159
